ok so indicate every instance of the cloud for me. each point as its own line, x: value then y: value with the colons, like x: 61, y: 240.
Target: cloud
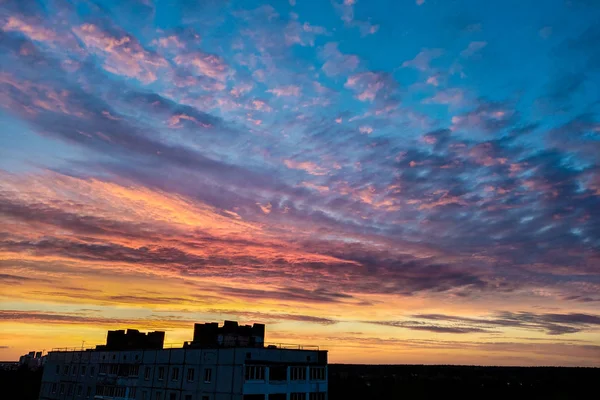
x: 33, y: 30
x: 473, y: 49
x: 337, y: 63
x: 423, y: 60
x: 208, y: 65
x: 307, y: 166
x: 286, y: 91
x: 370, y: 86
x: 123, y: 54
x: 418, y: 326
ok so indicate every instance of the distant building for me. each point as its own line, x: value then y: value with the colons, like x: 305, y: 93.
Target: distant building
x: 33, y: 360
x: 230, y: 362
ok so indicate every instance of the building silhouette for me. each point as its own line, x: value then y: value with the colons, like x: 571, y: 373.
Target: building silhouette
x: 229, y: 362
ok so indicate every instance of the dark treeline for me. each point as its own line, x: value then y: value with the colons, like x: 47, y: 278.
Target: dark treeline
x: 460, y: 382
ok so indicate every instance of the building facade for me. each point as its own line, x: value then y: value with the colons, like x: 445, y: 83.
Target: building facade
x: 217, y: 368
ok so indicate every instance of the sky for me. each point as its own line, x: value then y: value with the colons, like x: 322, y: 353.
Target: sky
x: 393, y: 181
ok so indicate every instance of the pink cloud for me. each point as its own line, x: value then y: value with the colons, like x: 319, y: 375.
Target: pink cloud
x: 307, y: 166
x: 171, y: 41
x: 420, y: 2
x: 302, y: 34
x: 286, y: 91
x: 452, y: 96
x: 260, y: 105
x: 32, y: 30
x: 336, y: 62
x: 318, y: 188
x: 175, y: 121
x: 205, y: 64
x: 122, y: 55
x: 367, y: 85
x: 265, y: 208
x: 365, y: 129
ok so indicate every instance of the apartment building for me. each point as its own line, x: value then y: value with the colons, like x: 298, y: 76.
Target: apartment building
x: 221, y: 363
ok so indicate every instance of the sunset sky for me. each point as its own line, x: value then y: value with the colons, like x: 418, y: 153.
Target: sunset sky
x: 394, y: 181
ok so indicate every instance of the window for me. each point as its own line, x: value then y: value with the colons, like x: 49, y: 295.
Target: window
x: 79, y: 390
x: 144, y: 395
x: 188, y: 397
x: 277, y: 396
x: 161, y: 374
x: 134, y: 370
x: 255, y: 373
x: 88, y: 392
x: 190, y: 375
x: 298, y: 396
x: 147, y: 373
x: 120, y: 391
x: 172, y: 396
x: 317, y: 373
x: 114, y: 369
x: 158, y: 395
x: 175, y: 374
x: 316, y: 396
x: 205, y: 398
x: 114, y: 356
x: 132, y: 391
x: 298, y: 373
x: 57, y: 369
x: 62, y: 388
x: 92, y: 370
x: 278, y: 373
x: 207, y: 375
x: 83, y: 370
x: 103, y: 369
x: 69, y: 390
x: 54, y: 387
x: 66, y: 370
x: 74, y: 370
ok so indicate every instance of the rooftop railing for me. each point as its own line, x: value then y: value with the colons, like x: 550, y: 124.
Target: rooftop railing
x: 179, y: 345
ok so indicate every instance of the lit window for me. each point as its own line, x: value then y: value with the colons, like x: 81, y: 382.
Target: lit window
x: 190, y: 375
x: 207, y: 375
